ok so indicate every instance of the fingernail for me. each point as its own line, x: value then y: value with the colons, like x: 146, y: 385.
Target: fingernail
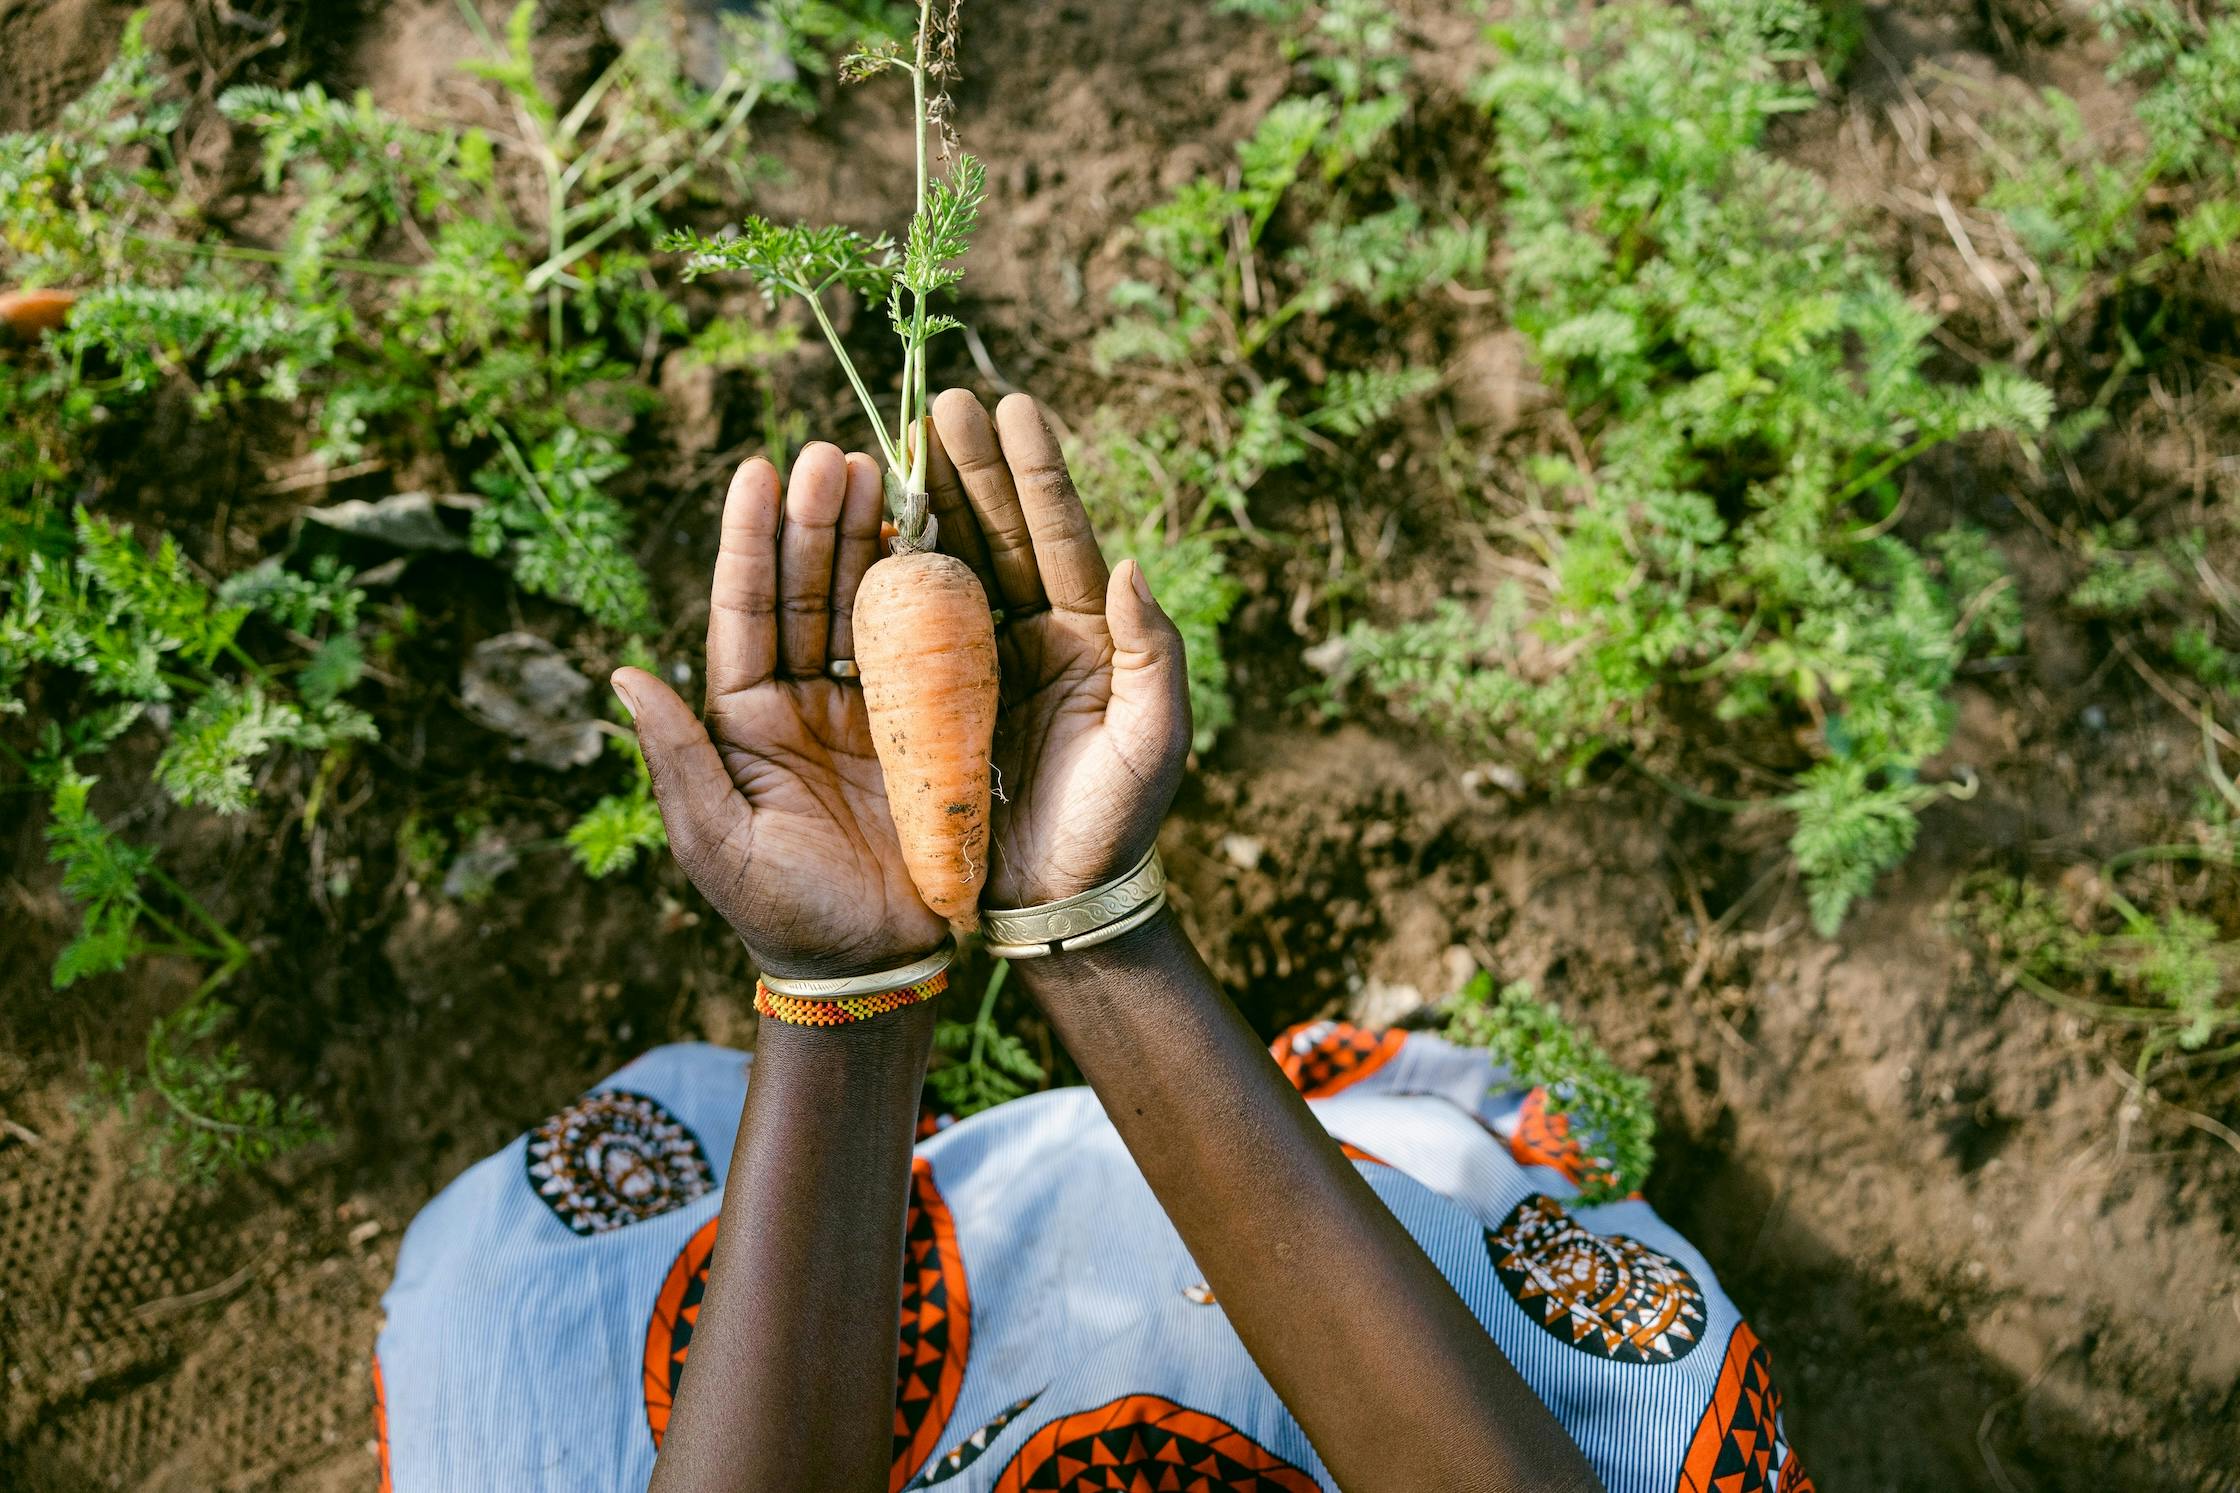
x: 623, y: 695
x: 1142, y: 585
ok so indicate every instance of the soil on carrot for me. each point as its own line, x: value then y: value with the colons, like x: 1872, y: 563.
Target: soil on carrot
x: 1978, y: 1259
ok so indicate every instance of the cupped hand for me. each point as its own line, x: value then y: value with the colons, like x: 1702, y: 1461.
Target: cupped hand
x: 1095, y: 724
x: 776, y: 808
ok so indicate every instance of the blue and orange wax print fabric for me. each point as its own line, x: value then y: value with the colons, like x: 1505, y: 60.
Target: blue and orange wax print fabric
x: 1055, y: 1334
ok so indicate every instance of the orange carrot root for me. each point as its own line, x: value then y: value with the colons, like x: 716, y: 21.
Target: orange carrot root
x: 926, y: 645
x: 26, y: 314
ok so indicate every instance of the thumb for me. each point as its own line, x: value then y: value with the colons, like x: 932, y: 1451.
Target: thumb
x: 700, y: 807
x: 1149, y: 714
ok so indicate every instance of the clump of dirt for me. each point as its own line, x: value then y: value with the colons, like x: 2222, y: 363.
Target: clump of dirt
x: 1977, y: 1259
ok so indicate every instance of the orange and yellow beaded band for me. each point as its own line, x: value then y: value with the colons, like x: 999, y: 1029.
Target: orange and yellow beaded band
x: 796, y: 1011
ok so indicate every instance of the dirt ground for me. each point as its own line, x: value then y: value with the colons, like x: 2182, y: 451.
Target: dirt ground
x: 1979, y: 1263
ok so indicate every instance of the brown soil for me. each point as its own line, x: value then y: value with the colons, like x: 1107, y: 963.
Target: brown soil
x: 1978, y: 1262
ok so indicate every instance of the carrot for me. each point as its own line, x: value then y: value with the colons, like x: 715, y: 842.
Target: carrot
x: 926, y: 645
x: 27, y: 314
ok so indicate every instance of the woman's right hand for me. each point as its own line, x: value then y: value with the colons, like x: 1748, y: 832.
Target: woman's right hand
x: 776, y: 808
x: 1095, y: 723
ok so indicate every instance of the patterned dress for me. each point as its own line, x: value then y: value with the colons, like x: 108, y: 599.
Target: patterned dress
x: 1055, y: 1334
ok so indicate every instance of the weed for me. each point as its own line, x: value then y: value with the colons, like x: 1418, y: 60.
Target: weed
x: 1533, y: 1046
x: 409, y: 308
x: 1749, y: 381
x: 982, y: 1065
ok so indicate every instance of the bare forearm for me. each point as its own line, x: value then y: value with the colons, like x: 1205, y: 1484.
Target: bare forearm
x: 1404, y: 1392
x: 805, y: 1285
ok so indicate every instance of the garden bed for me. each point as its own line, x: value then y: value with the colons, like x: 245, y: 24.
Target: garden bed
x: 1981, y: 1253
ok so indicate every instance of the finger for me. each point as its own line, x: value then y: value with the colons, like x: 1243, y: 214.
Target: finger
x: 859, y: 548
x: 743, y: 599
x: 1065, y: 547
x: 806, y: 545
x: 1148, y: 715
x: 699, y: 806
x: 971, y: 443
x: 956, y: 531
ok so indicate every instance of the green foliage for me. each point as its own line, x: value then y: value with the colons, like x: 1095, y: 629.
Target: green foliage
x: 1529, y: 1041
x: 614, y: 830
x: 1749, y: 380
x: 1128, y: 484
x: 101, y: 874
x: 2187, y: 56
x: 207, y: 760
x: 201, y: 1113
x: 2090, y: 210
x: 612, y: 833
x: 807, y: 261
x: 79, y: 194
x: 2159, y: 976
x: 551, y: 516
x: 1210, y: 303
x: 1226, y: 292
x: 398, y: 315
x: 1976, y: 578
x: 2122, y: 577
x: 980, y: 1065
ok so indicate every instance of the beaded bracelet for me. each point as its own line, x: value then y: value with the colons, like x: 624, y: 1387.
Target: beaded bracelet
x: 795, y: 1011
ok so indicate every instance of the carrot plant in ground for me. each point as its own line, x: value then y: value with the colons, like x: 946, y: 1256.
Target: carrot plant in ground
x: 399, y: 313
x: 1752, y: 388
x: 2138, y: 948
x: 924, y: 629
x: 1606, y: 1109
x: 2131, y: 243
x: 2102, y: 217
x: 1310, y: 219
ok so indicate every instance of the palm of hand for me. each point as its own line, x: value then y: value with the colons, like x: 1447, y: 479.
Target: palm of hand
x: 1096, y: 714
x: 1068, y: 795
x: 819, y: 875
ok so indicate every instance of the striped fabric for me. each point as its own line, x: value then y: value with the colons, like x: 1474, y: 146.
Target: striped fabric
x: 1055, y: 1333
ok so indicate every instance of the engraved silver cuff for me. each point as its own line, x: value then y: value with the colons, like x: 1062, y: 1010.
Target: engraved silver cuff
x: 1082, y: 920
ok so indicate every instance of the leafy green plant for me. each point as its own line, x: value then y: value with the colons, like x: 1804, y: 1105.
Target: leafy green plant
x: 615, y: 831
x: 2161, y: 975
x: 2087, y: 210
x: 2122, y: 576
x: 1533, y: 1046
x: 981, y: 1065
x: 408, y: 310
x: 806, y: 262
x: 1214, y: 301
x: 1224, y: 294
x: 1749, y: 382
x: 201, y: 1114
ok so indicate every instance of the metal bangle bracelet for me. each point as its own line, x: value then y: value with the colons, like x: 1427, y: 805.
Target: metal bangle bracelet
x: 1024, y: 932
x: 1087, y: 940
x: 878, y: 983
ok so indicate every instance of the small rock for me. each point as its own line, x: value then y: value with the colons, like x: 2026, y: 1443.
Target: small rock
x: 2094, y: 718
x: 1242, y: 851
x: 1331, y: 658
x: 519, y: 684
x: 405, y: 520
x: 1460, y: 966
x: 1477, y: 781
x: 1380, y: 1004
